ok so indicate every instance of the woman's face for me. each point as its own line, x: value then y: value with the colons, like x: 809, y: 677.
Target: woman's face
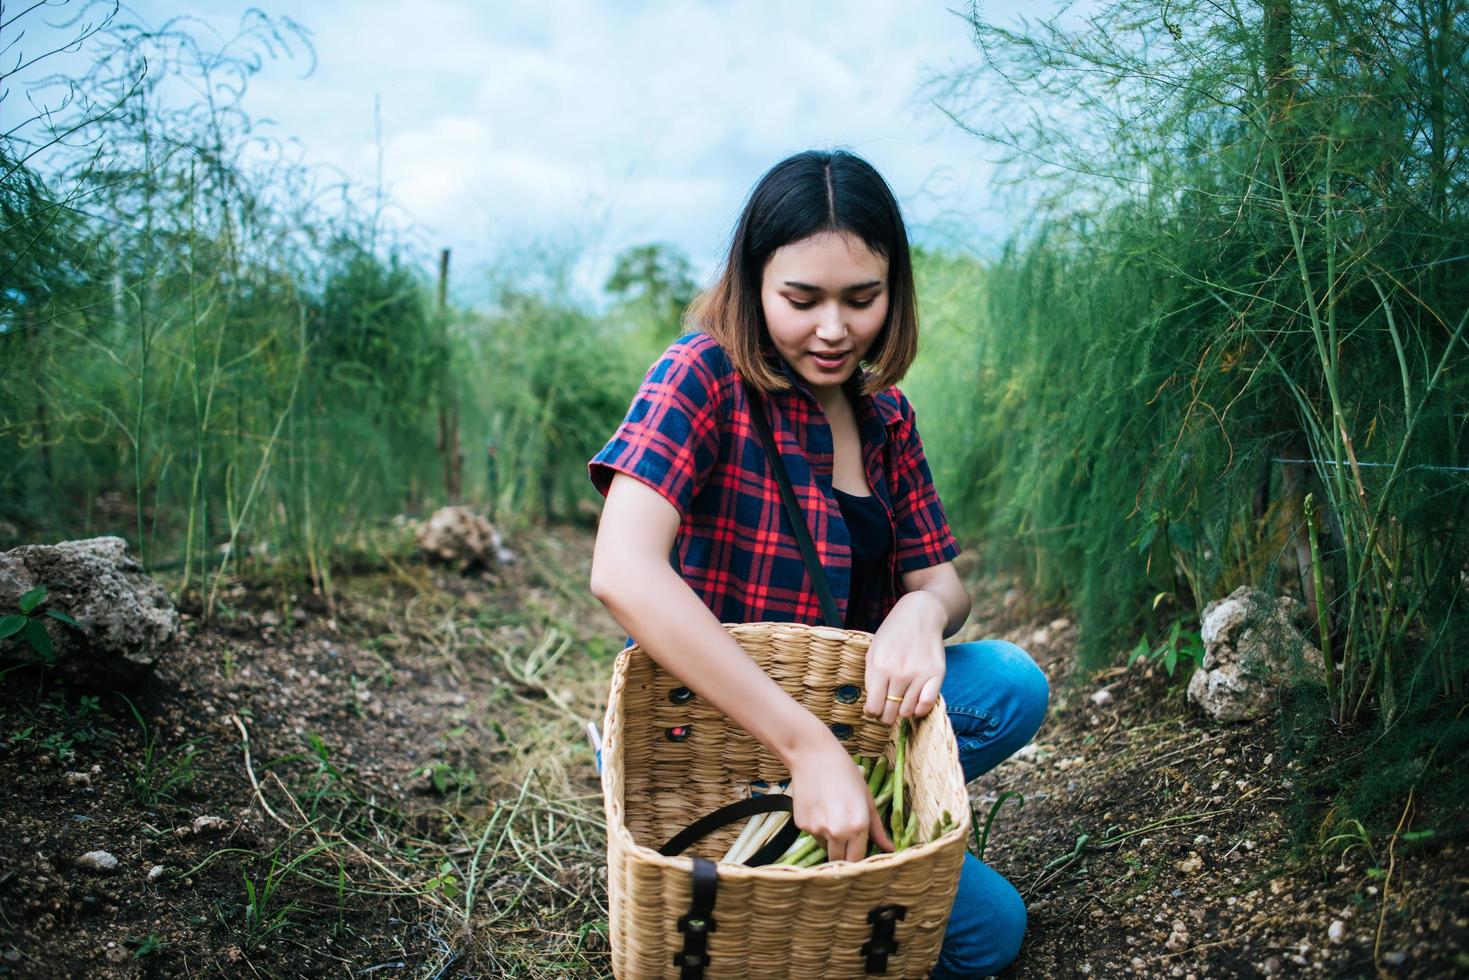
x: 825, y: 300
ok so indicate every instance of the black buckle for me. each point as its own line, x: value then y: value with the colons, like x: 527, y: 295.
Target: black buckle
x: 697, y: 923
x: 884, y: 921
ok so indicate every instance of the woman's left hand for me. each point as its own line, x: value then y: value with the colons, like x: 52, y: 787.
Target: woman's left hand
x: 907, y: 658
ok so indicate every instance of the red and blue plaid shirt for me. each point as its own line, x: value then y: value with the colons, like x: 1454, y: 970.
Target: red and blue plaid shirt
x: 689, y: 435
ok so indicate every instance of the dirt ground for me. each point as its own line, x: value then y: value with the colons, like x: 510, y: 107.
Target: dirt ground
x: 398, y: 783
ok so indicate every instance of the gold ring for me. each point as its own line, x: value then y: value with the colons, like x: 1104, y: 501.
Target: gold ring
x: 894, y: 697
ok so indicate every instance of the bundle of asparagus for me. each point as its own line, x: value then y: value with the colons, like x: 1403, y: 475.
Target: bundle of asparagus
x: 887, y: 788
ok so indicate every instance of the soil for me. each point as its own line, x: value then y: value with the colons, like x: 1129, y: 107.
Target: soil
x: 398, y: 782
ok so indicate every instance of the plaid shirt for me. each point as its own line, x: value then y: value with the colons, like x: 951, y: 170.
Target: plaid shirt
x: 689, y: 435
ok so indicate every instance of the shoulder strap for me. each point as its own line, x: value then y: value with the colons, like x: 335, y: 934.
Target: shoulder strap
x: 793, y: 510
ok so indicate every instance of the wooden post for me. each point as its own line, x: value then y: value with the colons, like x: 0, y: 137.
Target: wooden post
x: 449, y: 405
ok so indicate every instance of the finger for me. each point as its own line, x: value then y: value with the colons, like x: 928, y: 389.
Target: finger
x: 875, y: 828
x: 896, y: 689
x: 910, y: 700
x: 877, y: 689
x: 928, y: 697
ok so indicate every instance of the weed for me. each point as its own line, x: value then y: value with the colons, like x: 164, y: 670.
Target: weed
x: 30, y: 624
x: 982, y: 838
x: 160, y: 773
x: 1179, y: 645
x: 147, y: 946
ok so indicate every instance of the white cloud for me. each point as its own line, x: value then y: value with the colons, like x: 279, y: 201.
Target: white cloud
x: 645, y: 121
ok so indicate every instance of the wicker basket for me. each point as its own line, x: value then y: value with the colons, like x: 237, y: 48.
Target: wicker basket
x: 669, y: 758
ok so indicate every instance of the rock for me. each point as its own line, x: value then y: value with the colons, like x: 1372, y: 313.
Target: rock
x: 1395, y: 957
x: 210, y: 825
x: 99, y: 861
x: 1102, y: 698
x: 1252, y: 646
x: 1271, y: 965
x: 459, y: 536
x: 81, y: 780
x: 1336, y: 932
x: 1191, y: 864
x: 1031, y: 753
x: 156, y: 873
x: 128, y: 620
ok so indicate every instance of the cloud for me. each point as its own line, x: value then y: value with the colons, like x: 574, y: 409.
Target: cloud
x: 623, y: 122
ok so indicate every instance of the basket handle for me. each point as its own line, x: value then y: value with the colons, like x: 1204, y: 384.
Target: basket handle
x: 739, y: 810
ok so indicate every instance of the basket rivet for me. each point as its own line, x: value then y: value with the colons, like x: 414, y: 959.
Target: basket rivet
x: 680, y: 695
x: 841, y: 731
x: 678, y: 732
x: 848, y: 693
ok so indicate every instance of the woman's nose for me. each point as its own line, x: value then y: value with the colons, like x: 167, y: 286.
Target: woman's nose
x: 829, y: 324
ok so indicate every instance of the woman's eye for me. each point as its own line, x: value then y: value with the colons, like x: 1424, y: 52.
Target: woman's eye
x: 863, y: 304
x: 798, y: 304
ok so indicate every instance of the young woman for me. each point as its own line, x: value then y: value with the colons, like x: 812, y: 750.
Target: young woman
x: 818, y: 283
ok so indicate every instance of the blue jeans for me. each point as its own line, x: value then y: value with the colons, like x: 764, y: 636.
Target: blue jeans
x: 996, y: 697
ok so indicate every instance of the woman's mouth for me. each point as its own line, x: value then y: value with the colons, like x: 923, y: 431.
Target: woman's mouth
x: 830, y: 361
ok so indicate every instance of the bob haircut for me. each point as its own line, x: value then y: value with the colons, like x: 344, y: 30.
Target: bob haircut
x: 808, y: 194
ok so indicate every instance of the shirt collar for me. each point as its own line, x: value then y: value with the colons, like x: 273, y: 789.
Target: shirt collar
x: 882, y: 406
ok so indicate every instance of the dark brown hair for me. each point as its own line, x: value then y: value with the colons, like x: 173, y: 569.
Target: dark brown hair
x: 807, y: 194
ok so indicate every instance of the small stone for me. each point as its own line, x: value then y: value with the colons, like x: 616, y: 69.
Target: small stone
x: 98, y: 861
x: 156, y: 872
x: 1138, y: 964
x: 116, y: 954
x: 210, y: 825
x: 12, y: 956
x: 1191, y: 864
x: 81, y: 780
x: 1272, y: 965
x: 1336, y: 932
x: 1395, y: 957
x: 1102, y: 698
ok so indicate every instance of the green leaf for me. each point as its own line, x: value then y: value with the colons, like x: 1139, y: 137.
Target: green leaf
x: 1138, y: 652
x: 64, y: 618
x: 32, y: 599
x: 40, y: 640
x: 1416, y: 834
x: 1182, y: 536
x: 1170, y: 661
x: 1146, y: 540
x: 11, y: 625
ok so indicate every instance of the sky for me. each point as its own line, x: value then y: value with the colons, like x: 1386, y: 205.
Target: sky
x: 594, y: 126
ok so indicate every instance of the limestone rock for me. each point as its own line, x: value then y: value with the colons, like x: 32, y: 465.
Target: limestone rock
x: 463, y: 538
x: 1252, y: 645
x: 128, y: 620
x: 100, y: 862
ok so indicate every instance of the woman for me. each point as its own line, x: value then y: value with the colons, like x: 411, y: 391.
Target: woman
x: 817, y: 283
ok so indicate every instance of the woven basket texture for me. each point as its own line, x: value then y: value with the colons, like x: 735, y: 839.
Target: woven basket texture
x: 771, y: 921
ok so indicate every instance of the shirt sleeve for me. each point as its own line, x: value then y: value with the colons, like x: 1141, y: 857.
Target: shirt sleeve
x: 923, y: 536
x: 670, y: 436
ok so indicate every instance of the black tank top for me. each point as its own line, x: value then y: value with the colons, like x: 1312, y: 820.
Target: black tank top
x: 872, y: 535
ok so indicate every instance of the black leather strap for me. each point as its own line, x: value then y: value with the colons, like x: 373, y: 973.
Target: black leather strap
x: 883, y: 943
x: 793, y: 511
x: 739, y: 810
x: 698, y: 922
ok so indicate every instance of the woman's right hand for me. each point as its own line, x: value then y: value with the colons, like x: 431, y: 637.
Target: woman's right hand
x: 832, y: 803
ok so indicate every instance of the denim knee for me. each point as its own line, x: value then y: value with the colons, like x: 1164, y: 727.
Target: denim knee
x: 986, y: 927
x: 1032, y: 693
